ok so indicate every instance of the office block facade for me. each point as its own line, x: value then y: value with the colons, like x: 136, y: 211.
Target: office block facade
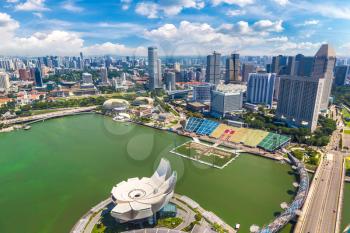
x: 261, y: 88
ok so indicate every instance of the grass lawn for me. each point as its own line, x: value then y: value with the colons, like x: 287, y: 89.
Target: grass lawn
x: 346, y: 114
x: 346, y: 131
x: 170, y: 223
x: 347, y: 165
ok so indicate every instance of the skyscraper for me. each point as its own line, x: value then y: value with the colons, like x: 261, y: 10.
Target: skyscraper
x: 81, y: 61
x: 38, y: 77
x: 213, y: 68
x: 170, y: 81
x: 304, y: 65
x: 4, y: 82
x: 247, y: 68
x: 154, y: 68
x: 299, y: 100
x: 233, y: 69
x: 260, y: 88
x: 104, y: 75
x: 279, y: 64
x: 23, y: 74
x: 324, y: 63
x: 342, y: 75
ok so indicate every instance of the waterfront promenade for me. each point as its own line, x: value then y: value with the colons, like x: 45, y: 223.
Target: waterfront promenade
x: 186, y: 211
x: 66, y: 112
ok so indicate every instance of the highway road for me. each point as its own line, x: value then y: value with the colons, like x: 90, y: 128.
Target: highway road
x: 320, y: 215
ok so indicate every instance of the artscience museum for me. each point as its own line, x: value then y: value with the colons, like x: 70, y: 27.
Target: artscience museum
x: 141, y: 199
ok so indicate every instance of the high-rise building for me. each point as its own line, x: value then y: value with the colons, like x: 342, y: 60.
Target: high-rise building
x: 342, y: 75
x: 159, y: 71
x: 261, y: 88
x: 213, y: 68
x: 170, y: 81
x: 104, y: 75
x: 38, y: 77
x: 202, y: 92
x: 247, y: 68
x: 4, y: 82
x: 323, y: 67
x: 233, y: 68
x: 23, y: 74
x: 225, y: 102
x: 154, y: 68
x: 81, y: 61
x: 299, y: 100
x: 87, y: 78
x: 279, y: 65
x: 303, y: 65
x: 177, y: 67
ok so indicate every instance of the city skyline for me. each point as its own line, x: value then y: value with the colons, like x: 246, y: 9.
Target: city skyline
x: 191, y: 27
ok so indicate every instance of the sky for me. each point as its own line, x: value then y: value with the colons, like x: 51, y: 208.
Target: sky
x: 176, y: 27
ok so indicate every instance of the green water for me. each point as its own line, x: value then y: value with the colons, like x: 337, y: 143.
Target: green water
x: 346, y: 206
x: 52, y: 174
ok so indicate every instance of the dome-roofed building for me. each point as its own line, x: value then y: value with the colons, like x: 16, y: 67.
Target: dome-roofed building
x: 115, y: 105
x: 138, y: 199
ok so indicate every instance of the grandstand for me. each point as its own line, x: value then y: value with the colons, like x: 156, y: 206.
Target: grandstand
x: 248, y: 137
x: 201, y: 126
x: 273, y: 141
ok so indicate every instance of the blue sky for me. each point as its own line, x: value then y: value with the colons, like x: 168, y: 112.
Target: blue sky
x: 177, y: 27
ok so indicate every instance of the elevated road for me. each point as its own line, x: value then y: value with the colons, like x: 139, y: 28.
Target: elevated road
x: 320, y: 213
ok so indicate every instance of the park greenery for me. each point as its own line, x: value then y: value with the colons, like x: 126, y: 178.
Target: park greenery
x: 347, y: 165
x: 307, y: 155
x: 75, y: 76
x: 170, y: 223
x: 341, y: 95
x: 321, y: 136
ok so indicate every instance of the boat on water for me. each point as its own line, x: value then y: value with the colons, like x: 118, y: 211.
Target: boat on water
x: 27, y: 127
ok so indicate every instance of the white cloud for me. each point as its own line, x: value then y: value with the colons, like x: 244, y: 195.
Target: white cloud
x: 7, y: 24
x: 233, y: 2
x: 297, y: 47
x: 187, y: 38
x: 12, y: 1
x: 281, y: 2
x: 166, y: 7
x: 200, y: 39
x: 147, y: 9
x: 38, y: 14
x: 125, y: 4
x: 110, y: 48
x: 278, y: 39
x: 311, y: 22
x: 56, y: 42
x: 233, y: 13
x: 268, y: 26
x: 327, y: 10
x: 32, y: 5
x: 70, y: 6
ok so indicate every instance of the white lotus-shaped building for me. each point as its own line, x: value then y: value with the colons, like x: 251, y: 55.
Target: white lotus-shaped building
x: 137, y: 199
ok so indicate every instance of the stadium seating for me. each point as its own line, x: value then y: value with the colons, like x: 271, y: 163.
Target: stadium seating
x: 201, y: 126
x: 249, y: 137
x: 273, y: 141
